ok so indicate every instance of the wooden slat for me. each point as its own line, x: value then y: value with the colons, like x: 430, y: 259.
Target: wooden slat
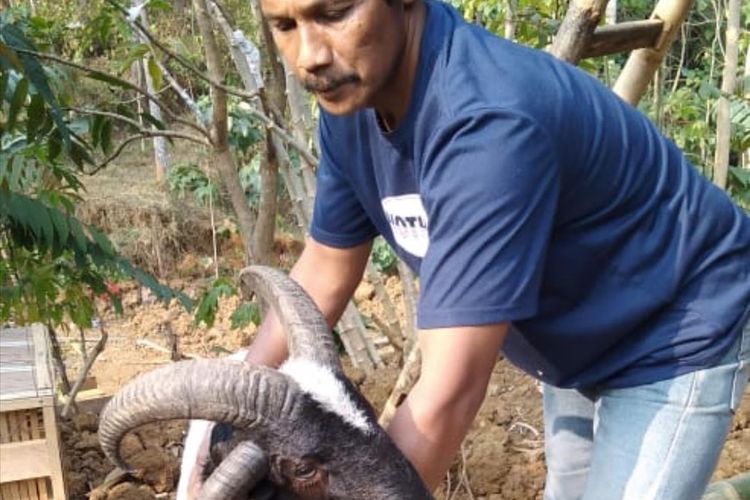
x: 22, y: 403
x: 4, y: 429
x: 42, y: 486
x: 12, y: 426
x: 24, y: 460
x: 53, y: 452
x: 37, y: 424
x: 41, y: 358
x: 11, y: 492
x: 24, y: 430
x: 624, y: 37
x: 28, y: 489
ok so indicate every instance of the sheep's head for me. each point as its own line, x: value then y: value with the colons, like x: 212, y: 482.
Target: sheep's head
x: 302, y: 431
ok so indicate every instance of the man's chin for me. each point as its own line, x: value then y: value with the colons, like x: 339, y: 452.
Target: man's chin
x: 338, y: 103
x: 338, y: 108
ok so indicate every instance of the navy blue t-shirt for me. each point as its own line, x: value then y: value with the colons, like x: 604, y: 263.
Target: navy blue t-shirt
x: 522, y: 190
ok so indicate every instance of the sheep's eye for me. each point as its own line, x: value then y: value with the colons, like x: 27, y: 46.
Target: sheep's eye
x: 305, y: 470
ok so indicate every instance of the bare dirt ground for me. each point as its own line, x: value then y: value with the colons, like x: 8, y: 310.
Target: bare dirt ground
x: 502, y: 457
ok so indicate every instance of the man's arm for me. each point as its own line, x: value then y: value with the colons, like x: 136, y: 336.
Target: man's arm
x: 330, y: 276
x: 433, y: 420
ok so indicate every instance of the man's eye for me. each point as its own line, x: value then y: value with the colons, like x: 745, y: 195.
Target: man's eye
x: 335, y: 14
x: 283, y: 25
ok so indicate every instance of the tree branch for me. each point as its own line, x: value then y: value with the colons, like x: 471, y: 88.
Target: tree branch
x: 106, y: 76
x: 172, y: 55
x: 145, y: 131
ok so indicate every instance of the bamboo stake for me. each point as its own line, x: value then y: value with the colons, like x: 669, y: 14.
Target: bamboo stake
x: 405, y: 381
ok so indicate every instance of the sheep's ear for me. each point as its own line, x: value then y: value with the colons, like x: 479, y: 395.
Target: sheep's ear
x: 307, y: 332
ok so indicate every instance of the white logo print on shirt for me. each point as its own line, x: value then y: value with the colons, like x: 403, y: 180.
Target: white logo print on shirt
x: 408, y: 220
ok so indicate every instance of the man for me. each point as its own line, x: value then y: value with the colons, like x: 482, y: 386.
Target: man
x: 545, y: 217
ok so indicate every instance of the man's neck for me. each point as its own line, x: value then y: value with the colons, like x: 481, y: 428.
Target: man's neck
x: 393, y: 102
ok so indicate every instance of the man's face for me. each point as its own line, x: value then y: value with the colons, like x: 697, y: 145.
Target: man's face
x: 344, y: 51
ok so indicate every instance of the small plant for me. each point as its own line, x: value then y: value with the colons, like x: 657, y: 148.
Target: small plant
x: 187, y: 179
x: 383, y: 256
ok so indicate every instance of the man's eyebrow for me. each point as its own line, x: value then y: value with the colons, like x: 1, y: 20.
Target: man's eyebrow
x: 308, y: 8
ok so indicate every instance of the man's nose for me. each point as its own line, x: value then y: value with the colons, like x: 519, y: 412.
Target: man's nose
x: 314, y: 51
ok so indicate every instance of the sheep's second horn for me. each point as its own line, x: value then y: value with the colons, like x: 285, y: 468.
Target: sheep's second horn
x: 308, y: 334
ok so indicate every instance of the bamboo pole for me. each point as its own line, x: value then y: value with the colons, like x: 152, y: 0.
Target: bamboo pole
x: 643, y: 63
x: 728, y: 84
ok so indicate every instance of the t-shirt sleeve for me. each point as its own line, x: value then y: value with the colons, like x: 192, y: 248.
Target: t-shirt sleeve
x: 339, y: 220
x: 490, y: 186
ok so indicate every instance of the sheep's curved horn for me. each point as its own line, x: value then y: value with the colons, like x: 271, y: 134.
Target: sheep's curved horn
x: 233, y: 392
x: 308, y: 334
x: 237, y: 474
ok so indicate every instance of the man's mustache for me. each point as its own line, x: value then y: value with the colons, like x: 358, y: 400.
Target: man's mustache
x: 327, y: 84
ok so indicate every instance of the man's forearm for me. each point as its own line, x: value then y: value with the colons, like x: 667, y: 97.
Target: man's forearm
x: 433, y: 420
x: 430, y: 434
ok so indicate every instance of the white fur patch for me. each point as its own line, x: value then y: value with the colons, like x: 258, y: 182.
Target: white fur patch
x: 321, y: 384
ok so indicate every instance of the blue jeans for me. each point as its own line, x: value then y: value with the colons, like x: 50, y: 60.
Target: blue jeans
x: 659, y: 441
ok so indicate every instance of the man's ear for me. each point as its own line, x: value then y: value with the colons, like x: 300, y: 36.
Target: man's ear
x: 409, y: 3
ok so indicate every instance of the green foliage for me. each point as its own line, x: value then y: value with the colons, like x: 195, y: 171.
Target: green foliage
x: 739, y: 186
x: 52, y: 265
x: 187, y: 179
x: 245, y: 314
x: 383, y: 257
x: 208, y: 303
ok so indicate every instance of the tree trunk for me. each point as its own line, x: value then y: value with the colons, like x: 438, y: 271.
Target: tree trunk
x: 265, y: 227
x: 161, y: 157
x: 610, y: 12
x: 221, y: 154
x: 728, y: 83
x: 643, y: 63
x: 577, y: 29
x: 510, y: 19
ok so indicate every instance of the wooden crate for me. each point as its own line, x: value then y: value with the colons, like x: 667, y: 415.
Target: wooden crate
x: 30, y: 464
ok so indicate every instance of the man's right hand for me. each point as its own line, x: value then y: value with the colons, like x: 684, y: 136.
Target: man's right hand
x: 194, y: 458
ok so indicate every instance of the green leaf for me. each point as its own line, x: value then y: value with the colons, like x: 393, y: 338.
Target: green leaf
x: 155, y: 73
x: 135, y: 53
x: 54, y: 145
x: 153, y: 121
x: 17, y: 101
x: 245, y: 314
x: 160, y: 5
x: 4, y: 76
x: 742, y: 175
x: 96, y: 128
x: 10, y: 57
x: 124, y: 110
x: 106, y: 136
x: 35, y: 116
x: 208, y: 304
x: 34, y: 71
x: 61, y: 227
x: 708, y: 91
x: 112, y: 80
x: 102, y: 241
